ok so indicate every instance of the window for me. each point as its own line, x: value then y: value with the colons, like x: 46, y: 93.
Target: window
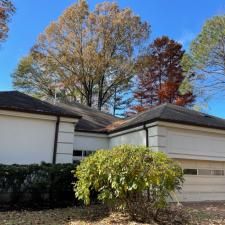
x: 204, y: 172
x: 82, y: 153
x: 190, y: 171
x: 77, y: 153
x: 218, y: 172
x: 87, y: 153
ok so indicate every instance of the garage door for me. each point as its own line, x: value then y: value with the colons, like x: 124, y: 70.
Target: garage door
x: 204, y: 180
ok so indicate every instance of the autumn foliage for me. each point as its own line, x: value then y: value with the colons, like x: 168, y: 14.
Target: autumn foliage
x: 6, y: 10
x: 90, y: 51
x: 160, y: 76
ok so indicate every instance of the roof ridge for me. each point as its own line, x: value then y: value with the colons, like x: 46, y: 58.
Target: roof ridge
x: 91, y: 108
x: 146, y: 111
x: 163, y: 109
x: 10, y: 91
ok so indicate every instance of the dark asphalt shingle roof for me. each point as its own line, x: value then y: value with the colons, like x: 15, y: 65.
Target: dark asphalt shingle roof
x: 92, y: 119
x: 17, y: 101
x: 173, y: 113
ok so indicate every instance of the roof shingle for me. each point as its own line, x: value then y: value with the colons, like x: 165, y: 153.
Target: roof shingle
x: 92, y: 119
x: 173, y: 113
x: 17, y: 101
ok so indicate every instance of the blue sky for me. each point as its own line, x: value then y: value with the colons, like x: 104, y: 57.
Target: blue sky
x: 179, y: 19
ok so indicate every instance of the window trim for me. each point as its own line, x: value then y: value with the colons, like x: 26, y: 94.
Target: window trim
x: 209, y: 169
x: 84, y: 153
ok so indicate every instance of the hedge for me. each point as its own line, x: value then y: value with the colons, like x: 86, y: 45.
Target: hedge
x: 44, y: 185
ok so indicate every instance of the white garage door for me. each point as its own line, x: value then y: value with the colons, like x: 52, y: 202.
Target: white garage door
x: 204, y: 180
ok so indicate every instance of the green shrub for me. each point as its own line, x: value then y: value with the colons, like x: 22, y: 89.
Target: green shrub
x: 44, y: 185
x: 132, y: 177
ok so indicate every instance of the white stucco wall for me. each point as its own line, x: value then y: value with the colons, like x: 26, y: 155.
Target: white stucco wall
x: 194, y: 148
x: 200, y: 145
x: 182, y: 142
x: 134, y: 137
x: 187, y: 142
x: 65, y: 141
x: 90, y: 141
x: 26, y: 140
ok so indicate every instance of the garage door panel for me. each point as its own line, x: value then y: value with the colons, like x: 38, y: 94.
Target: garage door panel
x: 204, y: 180
x: 198, y: 196
x: 199, y: 187
x: 203, y: 188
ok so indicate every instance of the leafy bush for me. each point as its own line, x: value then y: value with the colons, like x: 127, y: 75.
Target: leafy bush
x: 44, y: 185
x: 132, y: 177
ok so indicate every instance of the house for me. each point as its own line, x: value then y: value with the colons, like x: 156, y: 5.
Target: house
x: 32, y: 131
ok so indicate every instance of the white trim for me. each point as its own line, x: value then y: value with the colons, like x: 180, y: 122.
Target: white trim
x: 190, y: 127
x: 195, y: 157
x: 126, y: 131
x: 37, y: 116
x: 68, y: 119
x: 170, y: 124
x: 87, y: 134
x: 27, y: 115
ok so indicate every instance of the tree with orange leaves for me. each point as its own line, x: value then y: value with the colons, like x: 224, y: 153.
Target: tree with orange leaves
x: 6, y: 11
x: 160, y: 76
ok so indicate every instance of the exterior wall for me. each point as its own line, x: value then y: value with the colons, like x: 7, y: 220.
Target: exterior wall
x: 195, y: 148
x: 26, y: 140
x: 187, y: 144
x: 202, y: 187
x: 137, y: 137
x: 157, y: 138
x: 65, y: 142
x: 89, y: 142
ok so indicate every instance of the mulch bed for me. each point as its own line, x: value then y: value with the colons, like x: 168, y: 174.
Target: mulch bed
x: 208, y: 213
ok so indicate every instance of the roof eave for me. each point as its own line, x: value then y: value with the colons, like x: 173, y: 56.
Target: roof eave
x: 40, y: 113
x: 162, y: 120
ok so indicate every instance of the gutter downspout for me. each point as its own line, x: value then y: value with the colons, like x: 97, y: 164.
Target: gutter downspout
x: 146, y: 135
x: 56, y: 140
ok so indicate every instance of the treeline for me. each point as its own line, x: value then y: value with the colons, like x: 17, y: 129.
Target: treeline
x: 102, y: 58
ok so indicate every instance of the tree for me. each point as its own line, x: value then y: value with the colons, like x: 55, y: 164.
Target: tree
x: 160, y: 76
x: 33, y: 78
x: 121, y: 99
x: 91, y: 53
x: 133, y: 177
x: 6, y: 11
x: 207, y: 55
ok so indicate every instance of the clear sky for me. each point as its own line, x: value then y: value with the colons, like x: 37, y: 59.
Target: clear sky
x: 179, y: 19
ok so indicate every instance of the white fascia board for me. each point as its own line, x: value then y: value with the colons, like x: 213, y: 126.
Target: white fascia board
x: 27, y: 115
x: 90, y: 134
x: 195, y: 157
x: 68, y: 119
x: 126, y: 131
x: 190, y: 127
